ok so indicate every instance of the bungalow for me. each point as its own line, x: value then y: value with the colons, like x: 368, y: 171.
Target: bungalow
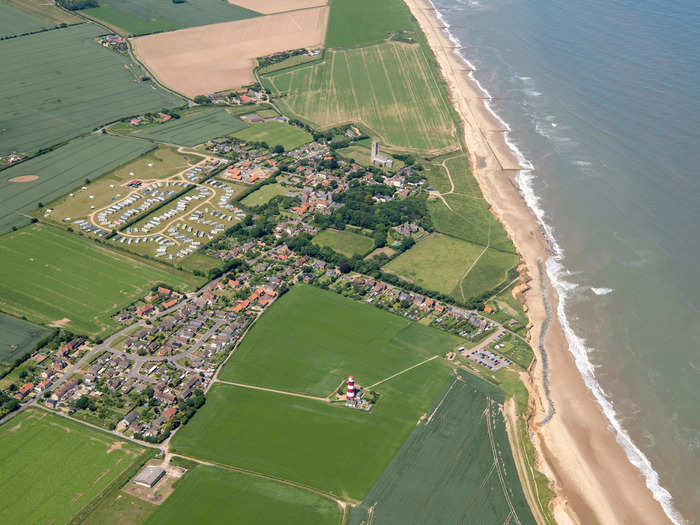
x: 164, y: 291
x: 144, y: 310
x: 170, y: 303
x: 46, y: 383
x: 25, y: 389
x: 129, y: 419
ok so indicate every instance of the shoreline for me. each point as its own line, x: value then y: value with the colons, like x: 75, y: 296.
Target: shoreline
x: 576, y: 448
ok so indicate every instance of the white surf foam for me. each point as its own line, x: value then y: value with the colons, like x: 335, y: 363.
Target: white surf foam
x: 564, y: 289
x: 602, y: 291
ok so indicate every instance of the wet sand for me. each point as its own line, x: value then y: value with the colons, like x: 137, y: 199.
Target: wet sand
x: 589, y: 470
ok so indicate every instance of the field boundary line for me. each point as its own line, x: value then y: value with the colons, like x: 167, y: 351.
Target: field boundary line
x: 274, y: 390
x: 403, y: 371
x: 432, y: 414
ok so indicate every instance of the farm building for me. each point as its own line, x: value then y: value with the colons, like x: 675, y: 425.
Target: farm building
x: 149, y: 476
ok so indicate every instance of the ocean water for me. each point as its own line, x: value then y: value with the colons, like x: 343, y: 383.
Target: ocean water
x: 603, y: 102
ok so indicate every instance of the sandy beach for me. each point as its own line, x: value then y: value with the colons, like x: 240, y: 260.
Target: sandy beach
x: 576, y: 449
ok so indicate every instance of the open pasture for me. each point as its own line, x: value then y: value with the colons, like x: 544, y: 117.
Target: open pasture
x: 275, y: 133
x: 52, y: 276
x: 52, y: 467
x: 264, y: 195
x: 310, y: 340
x: 456, y: 467
x: 191, y: 61
x: 138, y: 17
x: 345, y: 242
x: 159, y: 163
x: 324, y: 446
x: 193, y: 127
x: 59, y: 172
x: 42, y: 102
x: 391, y: 89
x: 490, y: 272
x: 354, y: 23
x: 216, y: 495
x: 23, y: 16
x: 18, y: 337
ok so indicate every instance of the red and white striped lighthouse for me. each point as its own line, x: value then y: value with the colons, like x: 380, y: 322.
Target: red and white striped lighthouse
x: 350, y: 396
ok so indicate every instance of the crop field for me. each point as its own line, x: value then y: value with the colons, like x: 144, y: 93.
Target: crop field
x: 456, y: 467
x: 216, y: 495
x: 54, y: 277
x: 53, y: 174
x: 322, y: 445
x: 274, y: 133
x: 22, y: 16
x: 264, y: 195
x: 52, y: 460
x: 354, y: 23
x: 159, y: 163
x: 310, y: 341
x: 43, y: 104
x: 193, y: 127
x: 437, y: 263
x: 18, y: 337
x: 345, y: 242
x: 138, y: 17
x: 390, y: 88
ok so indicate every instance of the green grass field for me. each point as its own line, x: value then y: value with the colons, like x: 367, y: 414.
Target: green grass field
x: 61, y: 171
x: 264, y: 195
x: 457, y: 468
x: 373, y: 86
x: 138, y: 17
x: 52, y: 467
x: 325, y: 446
x: 49, y: 275
x: 275, y: 133
x: 487, y: 274
x: 354, y: 23
x: 345, y: 242
x: 23, y: 16
x: 60, y: 84
x: 193, y: 127
x: 311, y: 340
x: 18, y: 337
x: 216, y: 495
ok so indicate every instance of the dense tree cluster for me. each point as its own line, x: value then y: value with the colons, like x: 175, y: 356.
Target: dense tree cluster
x: 74, y: 5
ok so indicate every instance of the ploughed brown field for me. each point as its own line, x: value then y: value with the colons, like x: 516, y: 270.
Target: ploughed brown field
x: 208, y: 59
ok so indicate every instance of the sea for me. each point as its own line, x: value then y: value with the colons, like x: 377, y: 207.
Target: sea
x: 602, y: 100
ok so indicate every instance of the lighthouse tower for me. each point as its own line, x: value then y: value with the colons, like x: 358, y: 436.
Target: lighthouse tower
x: 350, y: 396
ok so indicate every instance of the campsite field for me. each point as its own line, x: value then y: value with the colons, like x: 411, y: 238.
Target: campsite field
x: 23, y: 16
x: 274, y: 133
x: 324, y: 446
x: 456, y: 467
x: 310, y: 340
x: 354, y: 23
x: 138, y: 17
x: 193, y: 127
x: 373, y: 86
x: 54, y: 277
x: 345, y: 242
x: 18, y: 337
x: 191, y: 60
x: 264, y: 195
x: 42, y: 103
x: 61, y: 171
x: 64, y: 465
x: 217, y: 495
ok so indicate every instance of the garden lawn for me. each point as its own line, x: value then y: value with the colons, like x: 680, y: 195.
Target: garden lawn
x: 54, y: 276
x: 321, y: 445
x: 216, y: 495
x: 310, y: 340
x: 373, y: 86
x: 193, y: 127
x: 457, y: 468
x: 61, y: 171
x: 53, y: 467
x: 43, y: 104
x: 18, y: 338
x: 354, y: 23
x: 345, y: 242
x: 264, y: 195
x: 138, y: 17
x: 275, y: 133
x: 437, y: 262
